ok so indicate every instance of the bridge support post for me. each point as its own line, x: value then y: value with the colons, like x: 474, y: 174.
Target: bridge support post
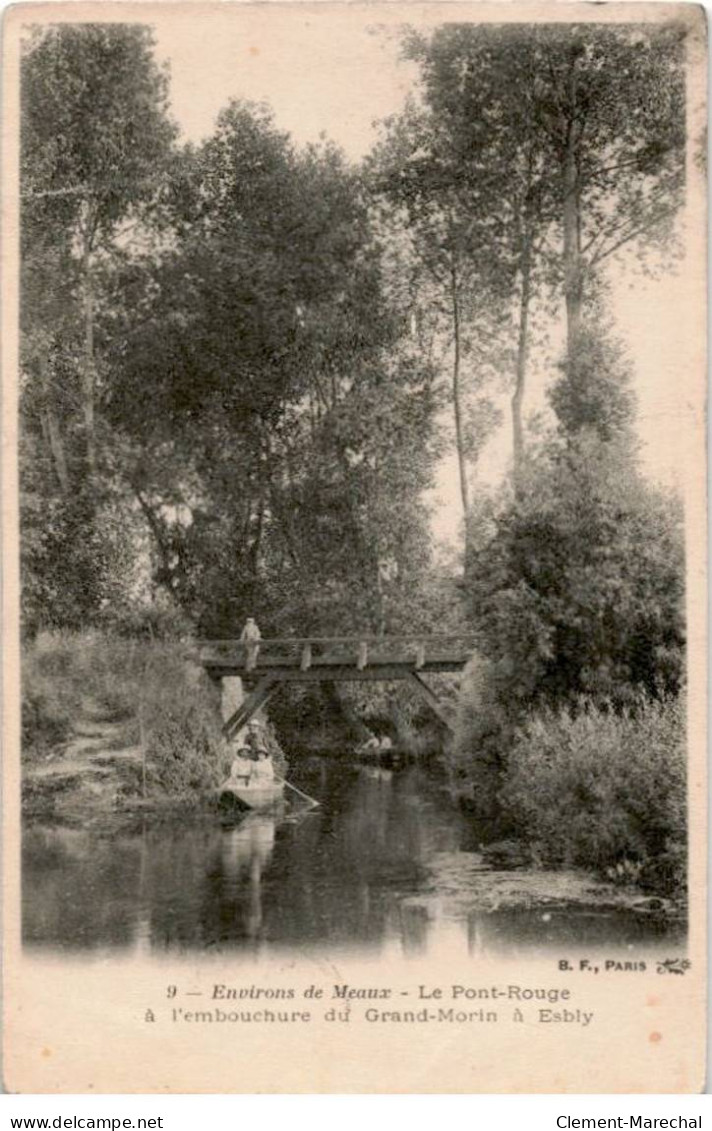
x: 249, y: 707
x: 432, y: 700
x: 232, y: 696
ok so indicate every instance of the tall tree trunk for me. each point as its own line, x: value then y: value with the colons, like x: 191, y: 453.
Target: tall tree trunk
x: 167, y: 576
x: 56, y: 445
x: 573, y: 273
x: 50, y: 426
x: 522, y: 342
x: 380, y: 602
x: 457, y: 394
x: 264, y: 465
x: 255, y: 548
x: 89, y: 374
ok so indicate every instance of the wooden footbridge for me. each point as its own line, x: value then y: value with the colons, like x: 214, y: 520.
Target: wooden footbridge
x: 316, y: 659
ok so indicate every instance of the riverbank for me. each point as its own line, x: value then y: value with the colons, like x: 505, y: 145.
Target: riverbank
x: 463, y: 882
x: 93, y: 785
x: 116, y: 729
x: 583, y: 785
x: 114, y: 723
x: 96, y: 782
x: 387, y: 859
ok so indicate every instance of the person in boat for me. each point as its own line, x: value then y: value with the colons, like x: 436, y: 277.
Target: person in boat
x: 243, y: 763
x: 370, y: 746
x: 260, y: 762
x: 255, y: 738
x: 262, y: 766
x: 263, y: 769
x: 251, y: 637
x: 241, y: 768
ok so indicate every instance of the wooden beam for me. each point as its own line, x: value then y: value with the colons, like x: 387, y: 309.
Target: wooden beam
x: 362, y: 657
x: 336, y: 669
x: 306, y: 657
x: 439, y: 639
x: 344, y: 673
x: 431, y: 698
x: 264, y: 690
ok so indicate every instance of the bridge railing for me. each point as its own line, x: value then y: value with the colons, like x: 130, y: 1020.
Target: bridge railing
x: 359, y: 650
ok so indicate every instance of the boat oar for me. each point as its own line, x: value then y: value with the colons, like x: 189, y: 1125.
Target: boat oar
x: 306, y: 796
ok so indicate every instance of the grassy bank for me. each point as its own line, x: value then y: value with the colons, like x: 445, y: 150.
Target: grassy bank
x: 605, y: 790
x: 155, y: 700
x: 148, y: 697
x: 584, y: 786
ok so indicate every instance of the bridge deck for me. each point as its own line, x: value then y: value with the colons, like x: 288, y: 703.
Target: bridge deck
x: 357, y: 658
x: 279, y: 661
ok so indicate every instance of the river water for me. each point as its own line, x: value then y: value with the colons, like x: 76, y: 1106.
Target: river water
x: 386, y: 864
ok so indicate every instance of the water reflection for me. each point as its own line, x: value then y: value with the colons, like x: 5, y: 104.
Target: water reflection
x: 357, y: 873
x: 245, y: 852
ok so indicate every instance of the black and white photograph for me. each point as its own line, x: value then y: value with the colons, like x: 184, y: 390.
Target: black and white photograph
x: 358, y: 393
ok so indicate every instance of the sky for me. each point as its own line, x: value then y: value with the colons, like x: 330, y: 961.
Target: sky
x: 340, y: 82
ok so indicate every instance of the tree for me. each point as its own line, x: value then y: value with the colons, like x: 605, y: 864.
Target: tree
x: 580, y: 591
x: 457, y: 287
x: 472, y: 151
x: 95, y: 132
x: 611, y: 102
x: 593, y: 392
x: 555, y: 147
x: 94, y: 136
x: 278, y: 429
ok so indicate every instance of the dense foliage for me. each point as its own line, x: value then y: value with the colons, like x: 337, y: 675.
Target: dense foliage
x: 230, y: 396
x: 605, y: 790
x: 151, y: 700
x: 580, y: 590
x: 518, y: 176
x: 241, y: 363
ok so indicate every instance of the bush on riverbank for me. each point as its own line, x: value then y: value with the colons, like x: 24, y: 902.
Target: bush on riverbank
x: 68, y: 675
x: 484, y: 729
x: 603, y: 790
x: 59, y: 672
x: 46, y: 721
x: 179, y: 727
x: 165, y: 704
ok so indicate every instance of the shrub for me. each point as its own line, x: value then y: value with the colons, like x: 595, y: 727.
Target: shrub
x: 182, y: 755
x: 605, y: 790
x: 157, y: 621
x: 69, y: 674
x: 50, y: 694
x: 179, y: 726
x: 581, y: 589
x: 168, y: 703
x: 46, y: 722
x: 485, y: 722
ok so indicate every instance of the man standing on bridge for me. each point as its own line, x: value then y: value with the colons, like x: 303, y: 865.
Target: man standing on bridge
x: 251, y: 637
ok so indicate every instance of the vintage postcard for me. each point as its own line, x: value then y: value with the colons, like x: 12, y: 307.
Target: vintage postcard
x: 354, y: 528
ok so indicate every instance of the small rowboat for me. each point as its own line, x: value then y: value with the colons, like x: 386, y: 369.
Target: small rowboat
x: 250, y: 795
